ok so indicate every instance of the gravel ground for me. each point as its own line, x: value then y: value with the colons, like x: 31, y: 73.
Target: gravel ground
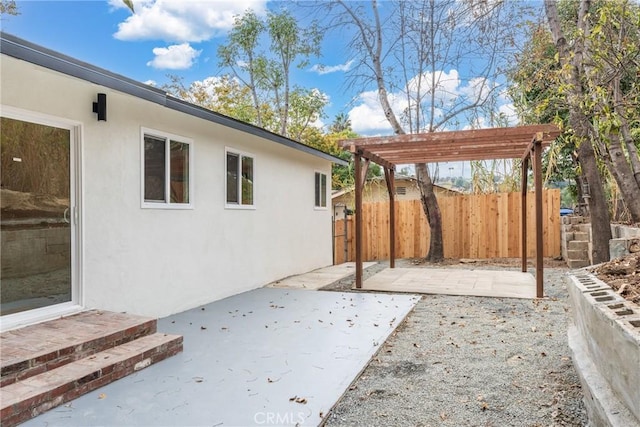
x: 471, y: 361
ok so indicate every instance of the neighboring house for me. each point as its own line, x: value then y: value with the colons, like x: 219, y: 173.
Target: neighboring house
x: 375, y: 190
x: 160, y: 208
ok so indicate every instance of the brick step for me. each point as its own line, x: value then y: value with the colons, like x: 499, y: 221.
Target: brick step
x: 35, y: 349
x: 31, y: 397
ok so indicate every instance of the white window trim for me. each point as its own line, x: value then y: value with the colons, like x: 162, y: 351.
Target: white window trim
x: 327, y: 196
x: 239, y: 206
x: 167, y: 203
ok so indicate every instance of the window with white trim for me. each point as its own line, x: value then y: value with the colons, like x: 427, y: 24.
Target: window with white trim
x: 321, y: 190
x: 166, y: 176
x: 239, y: 178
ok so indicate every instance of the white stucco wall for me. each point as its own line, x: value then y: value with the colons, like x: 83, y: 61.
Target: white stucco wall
x: 161, y: 261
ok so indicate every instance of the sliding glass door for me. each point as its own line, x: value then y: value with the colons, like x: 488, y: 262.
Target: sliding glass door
x: 37, y: 216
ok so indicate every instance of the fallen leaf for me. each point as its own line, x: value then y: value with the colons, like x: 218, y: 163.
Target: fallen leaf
x: 443, y: 416
x: 203, y: 327
x: 533, y: 329
x: 102, y: 396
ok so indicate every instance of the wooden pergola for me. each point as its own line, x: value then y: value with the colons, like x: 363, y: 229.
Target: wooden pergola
x: 522, y: 142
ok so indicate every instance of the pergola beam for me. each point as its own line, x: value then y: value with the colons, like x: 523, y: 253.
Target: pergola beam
x: 468, y: 136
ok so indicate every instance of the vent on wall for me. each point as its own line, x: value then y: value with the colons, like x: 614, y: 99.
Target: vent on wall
x: 401, y: 190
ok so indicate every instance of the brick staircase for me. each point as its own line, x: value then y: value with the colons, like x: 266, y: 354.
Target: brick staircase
x: 576, y: 242
x: 51, y: 363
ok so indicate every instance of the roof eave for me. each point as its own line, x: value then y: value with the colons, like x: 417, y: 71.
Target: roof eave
x: 21, y: 49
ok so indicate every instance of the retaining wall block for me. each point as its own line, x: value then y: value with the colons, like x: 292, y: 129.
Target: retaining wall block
x: 606, y: 323
x: 618, y: 248
x: 586, y: 283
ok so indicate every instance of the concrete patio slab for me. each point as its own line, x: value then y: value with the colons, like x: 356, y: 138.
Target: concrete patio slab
x: 319, y: 278
x: 482, y: 283
x: 264, y: 357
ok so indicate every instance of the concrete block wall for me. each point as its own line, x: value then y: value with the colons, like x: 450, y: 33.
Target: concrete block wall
x: 626, y: 240
x: 576, y: 241
x: 605, y: 341
x: 34, y: 251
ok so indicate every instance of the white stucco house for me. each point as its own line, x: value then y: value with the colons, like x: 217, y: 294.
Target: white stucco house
x: 120, y: 197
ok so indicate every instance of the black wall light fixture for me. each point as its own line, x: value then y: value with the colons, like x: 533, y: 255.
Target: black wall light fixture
x: 100, y: 107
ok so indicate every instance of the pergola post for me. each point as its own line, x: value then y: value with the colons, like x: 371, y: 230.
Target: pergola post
x: 389, y: 177
x: 537, y: 173
x: 534, y: 150
x: 523, y: 230
x: 358, y: 168
x: 360, y: 176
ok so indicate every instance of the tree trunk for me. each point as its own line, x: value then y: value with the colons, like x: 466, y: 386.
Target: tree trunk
x: 432, y: 211
x: 429, y: 201
x: 631, y: 149
x: 598, y: 208
x: 621, y: 170
x: 630, y: 145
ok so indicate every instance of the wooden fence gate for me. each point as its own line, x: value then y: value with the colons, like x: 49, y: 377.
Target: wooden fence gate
x: 474, y: 226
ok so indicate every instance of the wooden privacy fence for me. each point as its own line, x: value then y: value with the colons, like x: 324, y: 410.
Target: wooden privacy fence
x: 474, y: 226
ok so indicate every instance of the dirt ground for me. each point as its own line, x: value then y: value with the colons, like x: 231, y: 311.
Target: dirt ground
x: 623, y: 275
x: 471, y: 361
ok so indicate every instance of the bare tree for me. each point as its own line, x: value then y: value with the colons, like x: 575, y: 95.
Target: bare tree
x: 414, y: 53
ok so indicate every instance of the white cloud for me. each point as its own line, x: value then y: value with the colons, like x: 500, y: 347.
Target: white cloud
x: 510, y: 113
x: 174, y: 57
x: 327, y: 69
x: 446, y: 85
x: 367, y: 117
x: 182, y: 21
x: 151, y: 83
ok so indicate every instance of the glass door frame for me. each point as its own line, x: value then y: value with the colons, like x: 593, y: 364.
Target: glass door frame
x: 12, y: 321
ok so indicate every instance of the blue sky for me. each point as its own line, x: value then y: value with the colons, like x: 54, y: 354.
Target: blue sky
x: 181, y: 37
x: 105, y: 34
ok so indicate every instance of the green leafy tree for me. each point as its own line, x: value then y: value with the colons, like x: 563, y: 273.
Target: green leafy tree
x: 340, y: 123
x: 582, y: 74
x: 571, y: 61
x: 241, y: 56
x: 8, y: 7
x: 224, y: 95
x: 306, y: 106
x: 266, y: 70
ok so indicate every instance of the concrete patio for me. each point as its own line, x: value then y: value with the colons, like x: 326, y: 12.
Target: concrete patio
x: 265, y: 357
x: 319, y: 278
x: 481, y: 283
